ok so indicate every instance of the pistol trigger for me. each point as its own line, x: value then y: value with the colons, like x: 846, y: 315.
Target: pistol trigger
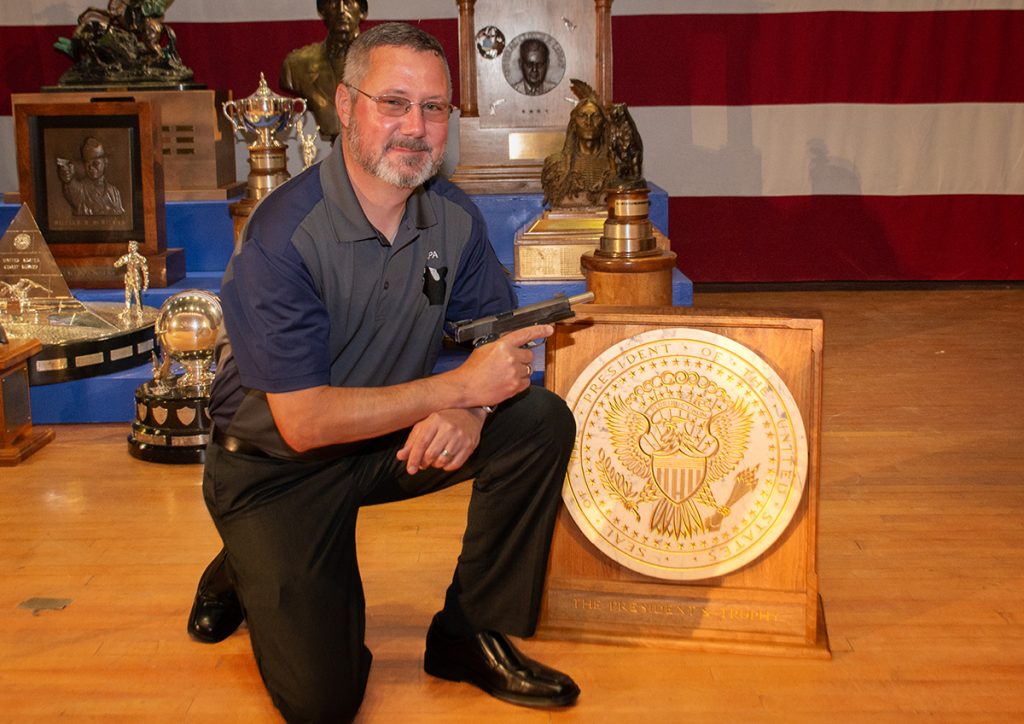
x: 531, y: 344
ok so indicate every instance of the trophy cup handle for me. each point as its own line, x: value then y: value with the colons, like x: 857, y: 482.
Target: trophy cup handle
x: 298, y: 112
x: 228, y: 109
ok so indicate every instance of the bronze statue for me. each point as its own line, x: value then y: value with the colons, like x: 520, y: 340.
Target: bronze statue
x: 128, y: 43
x: 602, y: 148
x: 626, y: 146
x: 314, y: 71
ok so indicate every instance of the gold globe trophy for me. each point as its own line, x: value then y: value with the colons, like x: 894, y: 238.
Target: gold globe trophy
x: 172, y: 423
x: 263, y: 116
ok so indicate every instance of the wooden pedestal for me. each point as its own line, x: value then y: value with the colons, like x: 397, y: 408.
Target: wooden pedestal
x: 768, y: 606
x: 18, y: 439
x: 240, y: 211
x: 636, y: 281
x: 549, y: 247
x: 98, y: 272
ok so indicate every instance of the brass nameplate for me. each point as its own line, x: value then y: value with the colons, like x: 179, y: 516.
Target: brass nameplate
x: 534, y: 145
x: 679, y: 613
x: 541, y: 262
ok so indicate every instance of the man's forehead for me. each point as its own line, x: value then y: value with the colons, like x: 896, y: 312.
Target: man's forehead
x: 398, y: 67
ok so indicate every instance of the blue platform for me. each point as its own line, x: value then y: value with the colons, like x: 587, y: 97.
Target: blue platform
x: 204, y: 230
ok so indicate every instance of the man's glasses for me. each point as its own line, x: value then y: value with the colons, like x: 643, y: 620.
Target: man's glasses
x: 396, y: 106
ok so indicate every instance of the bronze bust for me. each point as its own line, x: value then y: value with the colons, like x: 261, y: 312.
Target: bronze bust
x: 314, y: 71
x: 602, y: 148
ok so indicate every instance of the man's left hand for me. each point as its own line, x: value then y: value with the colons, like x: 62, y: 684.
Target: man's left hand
x: 444, y: 439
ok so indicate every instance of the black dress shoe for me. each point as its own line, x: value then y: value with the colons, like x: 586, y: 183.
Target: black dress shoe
x: 216, y: 611
x: 214, y: 618
x: 490, y: 661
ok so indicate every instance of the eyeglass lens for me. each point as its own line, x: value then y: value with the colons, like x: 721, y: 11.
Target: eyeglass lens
x: 398, y: 106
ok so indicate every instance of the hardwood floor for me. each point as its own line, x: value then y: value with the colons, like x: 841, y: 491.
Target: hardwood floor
x: 921, y: 558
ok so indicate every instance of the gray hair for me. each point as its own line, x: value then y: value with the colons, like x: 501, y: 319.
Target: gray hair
x: 400, y: 35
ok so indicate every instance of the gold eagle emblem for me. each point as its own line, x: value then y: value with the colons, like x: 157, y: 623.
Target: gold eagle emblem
x: 676, y: 435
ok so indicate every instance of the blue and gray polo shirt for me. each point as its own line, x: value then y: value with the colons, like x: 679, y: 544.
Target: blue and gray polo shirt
x: 317, y: 296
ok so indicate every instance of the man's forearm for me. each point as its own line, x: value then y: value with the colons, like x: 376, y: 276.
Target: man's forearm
x: 320, y: 416
x: 324, y: 415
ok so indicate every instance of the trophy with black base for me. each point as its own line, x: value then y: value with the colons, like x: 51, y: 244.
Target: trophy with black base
x: 172, y: 422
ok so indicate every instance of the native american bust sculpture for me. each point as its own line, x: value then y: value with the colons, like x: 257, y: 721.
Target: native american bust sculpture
x: 602, y: 148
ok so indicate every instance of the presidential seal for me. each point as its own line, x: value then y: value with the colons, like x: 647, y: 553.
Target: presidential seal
x: 690, y: 457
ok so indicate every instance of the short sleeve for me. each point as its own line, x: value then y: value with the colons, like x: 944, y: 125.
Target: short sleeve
x: 275, y: 320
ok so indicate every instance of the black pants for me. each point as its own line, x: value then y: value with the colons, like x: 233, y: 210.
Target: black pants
x: 289, y: 533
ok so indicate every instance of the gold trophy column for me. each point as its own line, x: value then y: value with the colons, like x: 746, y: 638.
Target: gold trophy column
x: 628, y: 268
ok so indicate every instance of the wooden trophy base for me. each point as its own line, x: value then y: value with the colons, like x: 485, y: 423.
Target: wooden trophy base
x: 626, y: 580
x: 637, y: 281
x: 503, y: 160
x: 18, y: 439
x: 20, y: 448
x: 549, y: 248
x: 98, y: 272
x: 240, y: 211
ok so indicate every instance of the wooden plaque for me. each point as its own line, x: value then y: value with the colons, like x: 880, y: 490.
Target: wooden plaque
x: 508, y: 125
x: 88, y: 229
x: 766, y: 605
x: 197, y: 141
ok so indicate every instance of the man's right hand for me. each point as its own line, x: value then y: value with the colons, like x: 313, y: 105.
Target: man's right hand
x: 495, y: 372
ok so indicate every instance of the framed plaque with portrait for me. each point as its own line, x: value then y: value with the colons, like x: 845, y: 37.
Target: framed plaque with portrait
x: 516, y: 63
x: 91, y: 175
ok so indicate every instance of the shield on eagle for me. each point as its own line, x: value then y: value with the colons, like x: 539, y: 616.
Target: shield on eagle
x: 678, y: 476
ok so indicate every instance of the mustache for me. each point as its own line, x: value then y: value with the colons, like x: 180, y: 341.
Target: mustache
x: 410, y: 144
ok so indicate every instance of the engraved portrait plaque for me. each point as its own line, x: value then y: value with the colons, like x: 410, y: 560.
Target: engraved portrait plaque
x: 515, y: 65
x: 691, y: 454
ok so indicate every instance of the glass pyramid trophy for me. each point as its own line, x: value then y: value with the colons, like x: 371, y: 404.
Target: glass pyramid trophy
x: 79, y: 339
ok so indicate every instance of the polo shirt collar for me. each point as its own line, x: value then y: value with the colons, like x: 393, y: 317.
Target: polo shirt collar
x: 347, y: 217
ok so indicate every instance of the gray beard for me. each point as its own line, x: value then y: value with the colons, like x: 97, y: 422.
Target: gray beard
x: 397, y: 174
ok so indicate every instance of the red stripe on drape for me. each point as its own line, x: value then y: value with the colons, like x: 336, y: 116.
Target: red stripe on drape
x: 832, y: 238
x: 222, y: 55
x: 820, y: 57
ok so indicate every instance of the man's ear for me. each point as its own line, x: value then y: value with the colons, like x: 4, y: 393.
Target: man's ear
x: 343, y: 104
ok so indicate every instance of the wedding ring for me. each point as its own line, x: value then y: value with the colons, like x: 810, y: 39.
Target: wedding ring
x: 445, y: 454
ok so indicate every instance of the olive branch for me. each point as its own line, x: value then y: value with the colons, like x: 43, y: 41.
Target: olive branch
x: 621, y: 489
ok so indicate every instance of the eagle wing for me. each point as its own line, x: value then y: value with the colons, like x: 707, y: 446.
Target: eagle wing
x: 731, y: 428
x: 626, y: 427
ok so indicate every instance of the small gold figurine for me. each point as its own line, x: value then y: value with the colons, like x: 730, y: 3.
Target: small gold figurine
x: 136, y: 280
